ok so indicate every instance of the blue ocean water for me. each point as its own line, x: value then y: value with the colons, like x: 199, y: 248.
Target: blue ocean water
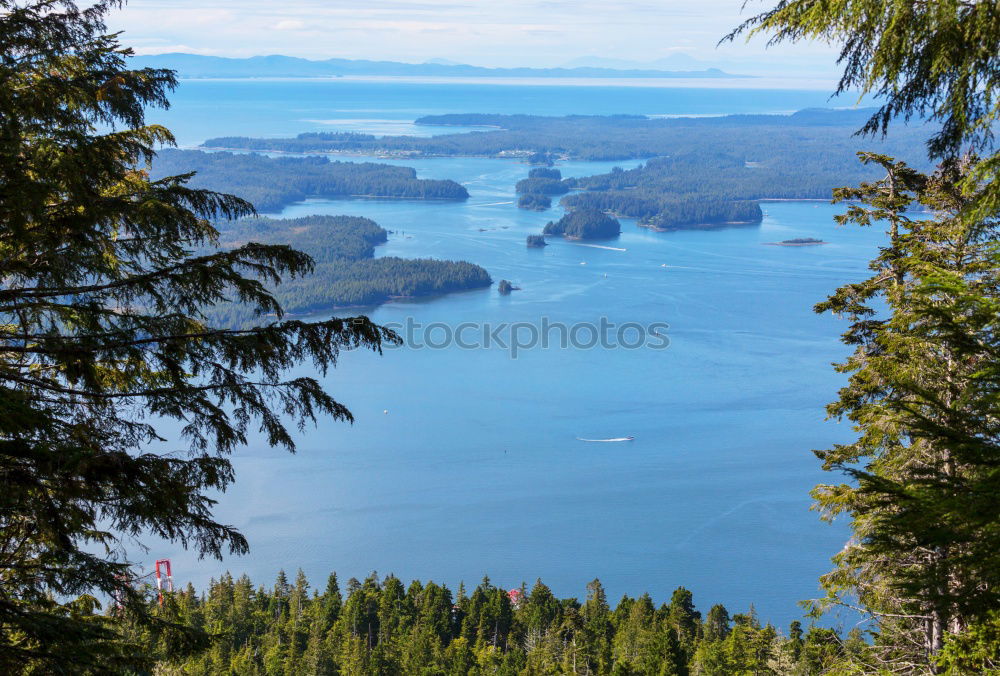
x: 476, y: 468
x: 204, y: 109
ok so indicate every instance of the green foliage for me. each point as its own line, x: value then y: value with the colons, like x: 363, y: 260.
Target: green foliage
x: 109, y: 280
x: 345, y: 271
x: 938, y: 59
x: 541, y: 186
x: 534, y: 202
x: 974, y: 651
x: 545, y: 172
x: 584, y: 224
x: 923, y: 388
x: 922, y: 393
x: 708, y: 189
x: 544, y: 159
x: 270, y: 183
x: 386, y: 627
x: 536, y: 241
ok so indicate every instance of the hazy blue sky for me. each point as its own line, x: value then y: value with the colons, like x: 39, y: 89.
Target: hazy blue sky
x: 481, y: 32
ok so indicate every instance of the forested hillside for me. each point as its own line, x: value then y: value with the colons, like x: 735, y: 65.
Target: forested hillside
x: 270, y: 183
x: 385, y: 627
x: 346, y: 272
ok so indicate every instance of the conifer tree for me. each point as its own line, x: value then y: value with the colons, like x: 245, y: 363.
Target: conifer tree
x: 938, y: 59
x: 923, y: 390
x: 104, y: 335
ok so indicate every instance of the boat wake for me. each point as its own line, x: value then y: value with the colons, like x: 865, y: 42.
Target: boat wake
x: 599, y: 246
x: 606, y: 440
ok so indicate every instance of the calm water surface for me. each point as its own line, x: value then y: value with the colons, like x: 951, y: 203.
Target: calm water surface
x: 476, y: 467
x: 275, y: 108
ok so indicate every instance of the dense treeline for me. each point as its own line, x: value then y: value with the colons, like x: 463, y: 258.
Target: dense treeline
x: 105, y: 336
x: 386, y: 627
x: 667, y: 212
x: 584, y: 224
x: 535, y: 191
x: 534, y: 202
x: 808, y: 116
x: 705, y: 171
x: 545, y: 172
x: 683, y: 191
x: 819, y: 143
x: 270, y: 183
x: 345, y: 272
x: 541, y: 186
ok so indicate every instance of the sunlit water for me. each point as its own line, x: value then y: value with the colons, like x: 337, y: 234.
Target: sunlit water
x: 476, y: 467
x: 276, y: 108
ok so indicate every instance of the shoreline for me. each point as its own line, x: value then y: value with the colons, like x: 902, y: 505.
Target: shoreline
x: 728, y: 81
x: 694, y: 226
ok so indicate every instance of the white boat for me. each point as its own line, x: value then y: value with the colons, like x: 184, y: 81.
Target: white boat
x: 605, y: 441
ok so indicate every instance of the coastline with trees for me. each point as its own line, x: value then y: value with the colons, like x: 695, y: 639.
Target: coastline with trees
x: 112, y: 284
x: 346, y: 272
x: 271, y: 183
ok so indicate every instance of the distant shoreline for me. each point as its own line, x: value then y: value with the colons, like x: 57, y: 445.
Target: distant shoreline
x: 747, y: 82
x: 696, y: 226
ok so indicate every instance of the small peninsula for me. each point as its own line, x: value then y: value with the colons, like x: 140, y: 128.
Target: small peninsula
x: 346, y: 273
x: 584, y: 224
x: 272, y: 183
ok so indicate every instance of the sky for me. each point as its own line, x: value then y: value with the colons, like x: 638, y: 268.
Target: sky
x: 480, y: 32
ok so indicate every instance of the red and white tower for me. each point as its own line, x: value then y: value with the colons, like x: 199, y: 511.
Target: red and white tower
x: 159, y: 577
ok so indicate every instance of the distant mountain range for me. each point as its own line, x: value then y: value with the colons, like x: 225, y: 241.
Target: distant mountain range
x: 198, y: 66
x: 762, y: 64
x: 676, y: 61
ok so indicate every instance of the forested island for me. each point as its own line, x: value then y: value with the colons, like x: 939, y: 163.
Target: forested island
x: 535, y: 191
x: 536, y: 241
x: 346, y: 272
x: 383, y: 626
x: 541, y: 186
x: 701, y: 172
x: 505, y: 287
x: 688, y: 191
x: 584, y: 224
x: 271, y: 183
x: 534, y: 202
x: 819, y: 143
